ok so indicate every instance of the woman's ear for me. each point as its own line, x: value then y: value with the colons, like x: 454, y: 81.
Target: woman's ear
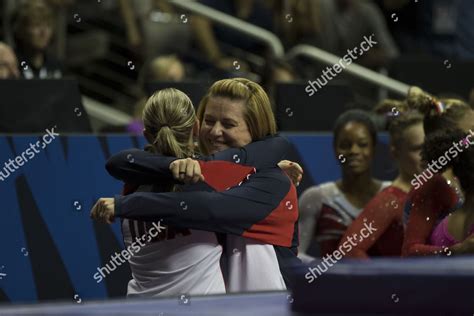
x: 150, y: 138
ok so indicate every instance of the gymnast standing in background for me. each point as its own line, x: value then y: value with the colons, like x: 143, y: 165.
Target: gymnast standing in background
x: 329, y: 208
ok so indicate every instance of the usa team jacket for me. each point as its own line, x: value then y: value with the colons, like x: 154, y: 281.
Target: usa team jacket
x: 244, y: 193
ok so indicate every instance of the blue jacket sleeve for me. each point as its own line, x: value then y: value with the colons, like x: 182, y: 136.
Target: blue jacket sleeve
x: 232, y: 211
x: 140, y: 167
x: 137, y: 166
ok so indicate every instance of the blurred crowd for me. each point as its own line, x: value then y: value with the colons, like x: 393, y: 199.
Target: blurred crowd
x: 168, y: 45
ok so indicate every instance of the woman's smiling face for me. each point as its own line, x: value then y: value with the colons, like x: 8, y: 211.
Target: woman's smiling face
x: 223, y: 125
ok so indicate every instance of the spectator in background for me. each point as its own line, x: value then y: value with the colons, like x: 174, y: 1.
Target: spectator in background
x: 33, y: 31
x: 215, y: 40
x: 339, y: 25
x: 8, y: 63
x: 60, y: 9
x: 166, y: 68
x: 60, y: 13
x: 344, y: 23
x: 298, y: 22
x: 154, y: 28
x: 163, y: 68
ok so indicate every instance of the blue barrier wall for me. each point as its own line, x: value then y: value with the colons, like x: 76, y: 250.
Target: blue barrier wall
x: 50, y: 249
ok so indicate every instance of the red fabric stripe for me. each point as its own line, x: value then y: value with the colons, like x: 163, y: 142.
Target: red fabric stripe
x: 278, y: 227
x: 221, y: 175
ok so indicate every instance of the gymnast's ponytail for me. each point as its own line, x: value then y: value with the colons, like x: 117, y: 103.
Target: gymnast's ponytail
x: 169, y: 116
x: 438, y: 114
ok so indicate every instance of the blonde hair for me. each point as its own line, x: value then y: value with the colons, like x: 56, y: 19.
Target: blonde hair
x: 160, y: 66
x: 258, y: 111
x: 169, y: 116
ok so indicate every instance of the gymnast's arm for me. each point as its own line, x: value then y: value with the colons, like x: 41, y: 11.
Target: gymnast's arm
x: 246, y: 210
x: 141, y: 167
x: 136, y: 166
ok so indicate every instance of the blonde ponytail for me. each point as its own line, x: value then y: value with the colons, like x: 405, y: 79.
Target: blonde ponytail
x: 169, y: 116
x: 167, y: 144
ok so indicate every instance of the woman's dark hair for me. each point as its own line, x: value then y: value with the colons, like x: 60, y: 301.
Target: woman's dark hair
x: 441, y: 144
x: 358, y: 116
x: 439, y: 114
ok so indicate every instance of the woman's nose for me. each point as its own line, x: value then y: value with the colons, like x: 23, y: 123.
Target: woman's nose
x: 216, y: 129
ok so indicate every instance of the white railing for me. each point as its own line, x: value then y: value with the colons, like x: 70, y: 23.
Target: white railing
x: 103, y: 113
x: 217, y: 16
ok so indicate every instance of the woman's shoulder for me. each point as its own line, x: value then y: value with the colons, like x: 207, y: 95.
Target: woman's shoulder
x: 436, y: 185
